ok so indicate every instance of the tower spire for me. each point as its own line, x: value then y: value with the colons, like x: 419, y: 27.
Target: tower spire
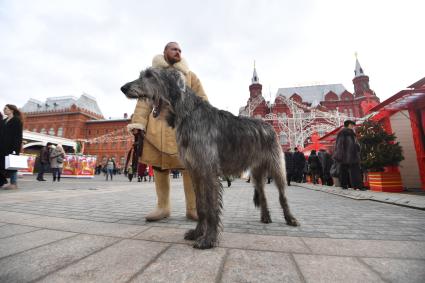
x: 358, y: 71
x: 255, y: 79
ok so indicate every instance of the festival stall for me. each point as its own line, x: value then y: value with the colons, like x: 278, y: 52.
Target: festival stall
x: 79, y: 166
x: 31, y: 164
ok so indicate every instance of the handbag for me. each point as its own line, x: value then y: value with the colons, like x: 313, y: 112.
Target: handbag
x: 15, y: 162
x: 59, y: 159
x: 335, y: 169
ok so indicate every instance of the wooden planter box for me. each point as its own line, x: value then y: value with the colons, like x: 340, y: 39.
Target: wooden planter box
x: 385, y: 182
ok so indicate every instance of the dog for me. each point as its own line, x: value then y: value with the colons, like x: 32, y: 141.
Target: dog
x: 213, y: 143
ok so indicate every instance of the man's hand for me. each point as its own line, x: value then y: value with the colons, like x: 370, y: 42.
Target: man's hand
x: 136, y: 132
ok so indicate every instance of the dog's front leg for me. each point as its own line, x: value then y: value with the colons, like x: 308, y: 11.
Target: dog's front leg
x: 193, y: 234
x: 209, y: 209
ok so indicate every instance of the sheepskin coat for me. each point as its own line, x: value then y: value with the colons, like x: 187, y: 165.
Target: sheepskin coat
x: 160, y: 147
x: 347, y: 149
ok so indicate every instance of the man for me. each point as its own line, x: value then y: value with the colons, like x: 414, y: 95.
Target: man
x: 347, y: 155
x: 160, y: 148
x: 289, y: 164
x: 299, y: 164
x: 44, y: 161
x: 326, y: 162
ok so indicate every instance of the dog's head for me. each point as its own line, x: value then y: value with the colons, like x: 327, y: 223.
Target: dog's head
x: 163, y: 87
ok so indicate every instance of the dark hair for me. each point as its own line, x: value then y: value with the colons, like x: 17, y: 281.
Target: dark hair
x: 349, y: 122
x: 295, y: 148
x: 168, y: 44
x: 313, y: 151
x: 16, y: 112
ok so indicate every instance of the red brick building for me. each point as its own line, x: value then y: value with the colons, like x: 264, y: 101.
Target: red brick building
x: 298, y: 112
x: 80, y: 119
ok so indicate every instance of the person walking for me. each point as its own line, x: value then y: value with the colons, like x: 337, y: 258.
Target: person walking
x: 299, y: 164
x: 314, y: 166
x: 150, y: 173
x: 289, y: 165
x: 326, y: 163
x: 3, y: 179
x: 44, y: 159
x: 160, y: 147
x: 347, y: 155
x: 110, y: 167
x: 11, y: 140
x: 57, y: 156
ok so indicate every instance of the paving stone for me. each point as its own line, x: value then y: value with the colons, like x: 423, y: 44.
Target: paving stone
x: 117, y: 263
x: 84, y: 226
x: 316, y: 268
x: 263, y: 242
x: 367, y: 248
x: 12, y: 229
x: 160, y: 234
x: 19, y: 243
x: 35, y: 263
x: 182, y: 263
x: 396, y: 270
x: 259, y: 266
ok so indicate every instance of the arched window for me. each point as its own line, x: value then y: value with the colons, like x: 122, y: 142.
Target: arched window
x: 60, y: 131
x: 34, y: 130
x: 122, y: 161
x: 51, y: 131
x: 43, y: 131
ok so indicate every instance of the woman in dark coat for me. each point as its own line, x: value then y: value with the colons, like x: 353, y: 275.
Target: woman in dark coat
x: 11, y: 139
x: 2, y: 172
x: 290, y: 166
x: 315, y: 166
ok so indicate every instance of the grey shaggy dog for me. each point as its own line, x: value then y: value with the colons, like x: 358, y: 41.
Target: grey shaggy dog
x: 213, y: 143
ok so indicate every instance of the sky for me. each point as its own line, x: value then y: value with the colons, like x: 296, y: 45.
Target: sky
x: 58, y: 48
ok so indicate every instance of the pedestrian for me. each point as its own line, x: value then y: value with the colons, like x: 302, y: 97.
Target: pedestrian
x: 44, y: 161
x: 289, y: 165
x: 3, y: 179
x: 314, y: 166
x: 347, y: 155
x: 11, y: 140
x: 57, y: 156
x: 299, y: 164
x: 141, y: 171
x: 150, y: 173
x: 110, y: 167
x: 130, y: 173
x: 160, y: 148
x: 326, y: 163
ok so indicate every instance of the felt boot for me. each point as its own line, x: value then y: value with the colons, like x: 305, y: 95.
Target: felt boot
x: 162, y: 186
x: 190, y: 197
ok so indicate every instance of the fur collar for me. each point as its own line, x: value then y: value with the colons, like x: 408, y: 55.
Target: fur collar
x: 159, y: 62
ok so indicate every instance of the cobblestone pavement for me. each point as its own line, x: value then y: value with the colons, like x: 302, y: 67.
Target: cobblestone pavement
x: 93, y: 230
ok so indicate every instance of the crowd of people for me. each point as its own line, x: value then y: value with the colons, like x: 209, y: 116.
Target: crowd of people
x: 342, y: 168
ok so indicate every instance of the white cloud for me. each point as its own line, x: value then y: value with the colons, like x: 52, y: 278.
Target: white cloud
x: 52, y: 48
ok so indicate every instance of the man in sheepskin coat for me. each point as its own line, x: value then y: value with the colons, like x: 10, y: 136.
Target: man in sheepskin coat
x: 347, y: 155
x: 160, y: 147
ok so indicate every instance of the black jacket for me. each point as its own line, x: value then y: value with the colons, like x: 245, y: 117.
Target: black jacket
x: 11, y: 139
x: 347, y: 149
x: 289, y: 162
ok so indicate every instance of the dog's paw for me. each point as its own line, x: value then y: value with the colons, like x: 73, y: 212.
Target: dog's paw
x: 266, y: 218
x: 204, y: 243
x: 292, y: 221
x: 191, y: 235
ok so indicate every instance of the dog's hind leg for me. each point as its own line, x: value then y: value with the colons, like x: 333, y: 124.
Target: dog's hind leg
x: 258, y: 175
x: 278, y: 175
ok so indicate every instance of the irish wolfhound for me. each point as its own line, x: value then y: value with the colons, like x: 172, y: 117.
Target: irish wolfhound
x: 213, y: 143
